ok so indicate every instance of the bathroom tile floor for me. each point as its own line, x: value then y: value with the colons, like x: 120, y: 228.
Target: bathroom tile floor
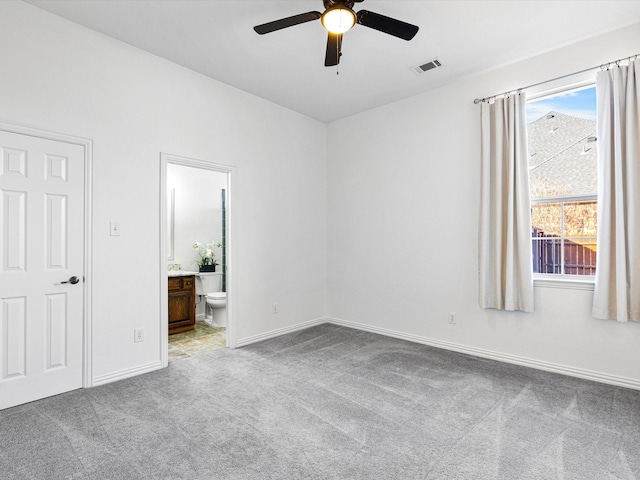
x: 202, y: 339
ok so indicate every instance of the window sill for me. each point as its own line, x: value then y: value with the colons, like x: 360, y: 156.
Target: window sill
x: 564, y: 282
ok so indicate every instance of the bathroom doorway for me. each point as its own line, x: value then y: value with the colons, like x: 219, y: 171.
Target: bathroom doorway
x: 196, y: 223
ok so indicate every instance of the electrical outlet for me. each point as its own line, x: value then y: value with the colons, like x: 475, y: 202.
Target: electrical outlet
x: 275, y: 308
x: 452, y: 317
x: 138, y: 335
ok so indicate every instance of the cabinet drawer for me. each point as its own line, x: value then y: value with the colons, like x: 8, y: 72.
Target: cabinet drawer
x: 175, y: 283
x: 187, y: 283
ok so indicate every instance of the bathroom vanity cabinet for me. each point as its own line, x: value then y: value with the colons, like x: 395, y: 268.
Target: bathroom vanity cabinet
x: 182, y: 304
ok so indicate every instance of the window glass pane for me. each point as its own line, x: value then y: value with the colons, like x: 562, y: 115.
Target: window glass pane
x: 547, y: 255
x: 580, y: 219
x: 562, y: 145
x: 580, y: 256
x: 546, y: 220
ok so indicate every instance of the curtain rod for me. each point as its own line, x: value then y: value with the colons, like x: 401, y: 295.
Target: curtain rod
x: 602, y: 67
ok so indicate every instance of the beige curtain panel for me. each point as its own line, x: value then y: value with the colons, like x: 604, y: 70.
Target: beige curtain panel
x: 505, y: 259
x: 617, y: 289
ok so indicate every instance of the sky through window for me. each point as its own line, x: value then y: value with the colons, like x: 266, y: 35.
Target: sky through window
x: 577, y: 103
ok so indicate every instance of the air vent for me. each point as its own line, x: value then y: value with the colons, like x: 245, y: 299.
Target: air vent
x: 420, y: 69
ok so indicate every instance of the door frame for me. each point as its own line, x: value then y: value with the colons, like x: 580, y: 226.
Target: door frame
x: 230, y: 171
x: 87, y: 320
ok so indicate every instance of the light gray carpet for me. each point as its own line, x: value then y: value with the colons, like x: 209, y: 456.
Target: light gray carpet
x: 329, y: 403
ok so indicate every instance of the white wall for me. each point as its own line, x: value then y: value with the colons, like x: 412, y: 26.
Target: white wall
x: 403, y: 192
x: 62, y: 77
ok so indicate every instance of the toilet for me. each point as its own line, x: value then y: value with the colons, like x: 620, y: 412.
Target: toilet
x: 209, y: 285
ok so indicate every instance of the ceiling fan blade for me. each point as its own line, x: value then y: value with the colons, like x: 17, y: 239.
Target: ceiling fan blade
x: 287, y: 22
x: 334, y: 50
x: 389, y: 25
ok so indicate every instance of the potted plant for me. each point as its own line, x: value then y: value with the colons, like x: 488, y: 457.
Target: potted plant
x: 207, y: 262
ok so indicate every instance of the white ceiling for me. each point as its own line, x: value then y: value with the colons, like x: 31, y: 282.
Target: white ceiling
x: 216, y: 38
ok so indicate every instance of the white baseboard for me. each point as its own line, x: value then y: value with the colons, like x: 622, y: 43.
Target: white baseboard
x: 501, y: 357
x: 456, y: 347
x: 280, y: 331
x: 150, y: 367
x: 126, y: 373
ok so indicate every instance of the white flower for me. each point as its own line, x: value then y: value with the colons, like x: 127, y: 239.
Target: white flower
x: 207, y: 255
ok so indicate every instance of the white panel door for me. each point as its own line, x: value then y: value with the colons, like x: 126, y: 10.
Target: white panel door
x: 41, y: 249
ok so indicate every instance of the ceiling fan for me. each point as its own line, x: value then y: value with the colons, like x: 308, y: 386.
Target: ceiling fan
x: 338, y: 17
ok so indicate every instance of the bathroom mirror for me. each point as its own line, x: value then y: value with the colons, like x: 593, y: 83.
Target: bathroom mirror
x: 195, y: 213
x: 171, y: 224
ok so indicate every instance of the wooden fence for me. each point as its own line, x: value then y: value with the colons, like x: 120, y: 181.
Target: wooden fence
x: 579, y: 259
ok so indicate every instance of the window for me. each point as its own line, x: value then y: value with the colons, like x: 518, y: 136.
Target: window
x: 563, y: 182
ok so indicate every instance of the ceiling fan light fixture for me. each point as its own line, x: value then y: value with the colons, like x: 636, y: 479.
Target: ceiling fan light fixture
x: 338, y: 19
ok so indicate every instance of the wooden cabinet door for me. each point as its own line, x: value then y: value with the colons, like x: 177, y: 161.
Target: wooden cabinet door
x: 182, y: 305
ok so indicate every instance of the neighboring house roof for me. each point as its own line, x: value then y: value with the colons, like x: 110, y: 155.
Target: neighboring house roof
x: 563, y: 157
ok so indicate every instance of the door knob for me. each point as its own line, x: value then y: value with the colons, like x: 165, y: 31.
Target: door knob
x: 73, y: 280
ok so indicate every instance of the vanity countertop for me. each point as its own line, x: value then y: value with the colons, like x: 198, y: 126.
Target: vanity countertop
x: 180, y: 273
